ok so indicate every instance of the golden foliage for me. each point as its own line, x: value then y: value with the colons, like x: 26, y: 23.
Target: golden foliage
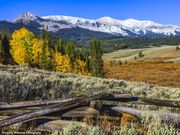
x: 19, y: 55
x: 26, y: 48
x: 21, y: 46
x: 80, y: 67
x: 61, y: 63
x: 37, y: 51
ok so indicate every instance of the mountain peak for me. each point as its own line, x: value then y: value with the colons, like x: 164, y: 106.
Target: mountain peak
x: 106, y: 20
x: 26, y: 17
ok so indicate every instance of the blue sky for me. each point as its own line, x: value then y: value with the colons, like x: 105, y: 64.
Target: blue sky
x: 162, y: 11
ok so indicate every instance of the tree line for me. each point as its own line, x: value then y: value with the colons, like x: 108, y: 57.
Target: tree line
x: 116, y: 43
x: 24, y: 48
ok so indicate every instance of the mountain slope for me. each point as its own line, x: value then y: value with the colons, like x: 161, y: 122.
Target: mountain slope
x: 129, y: 27
x: 119, y: 27
x: 63, y: 29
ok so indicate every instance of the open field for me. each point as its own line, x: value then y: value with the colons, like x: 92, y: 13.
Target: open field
x: 167, y: 53
x: 158, y: 65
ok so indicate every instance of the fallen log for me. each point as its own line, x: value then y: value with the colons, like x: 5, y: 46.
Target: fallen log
x: 3, y: 103
x: 159, y: 102
x: 60, y: 108
x: 80, y: 113
x: 32, y: 104
x: 120, y: 98
x: 110, y: 97
x: 172, y: 118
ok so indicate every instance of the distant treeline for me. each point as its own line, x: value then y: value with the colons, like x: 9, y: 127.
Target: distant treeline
x: 116, y: 43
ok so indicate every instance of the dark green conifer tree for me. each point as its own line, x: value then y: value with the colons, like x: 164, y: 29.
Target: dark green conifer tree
x: 5, y: 47
x: 46, y: 57
x: 60, y: 46
x: 96, y: 60
x: 70, y: 50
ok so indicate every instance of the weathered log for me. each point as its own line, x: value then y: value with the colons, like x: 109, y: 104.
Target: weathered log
x: 121, y: 98
x: 61, y: 108
x: 159, y: 102
x: 172, y: 118
x: 14, y: 112
x: 110, y: 97
x: 3, y: 103
x: 80, y: 113
x: 31, y: 104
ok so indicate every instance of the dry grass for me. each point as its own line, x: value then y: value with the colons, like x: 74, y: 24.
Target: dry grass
x: 154, y: 72
x: 167, y: 53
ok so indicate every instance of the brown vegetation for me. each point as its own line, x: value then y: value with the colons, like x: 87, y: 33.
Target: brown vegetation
x: 152, y: 71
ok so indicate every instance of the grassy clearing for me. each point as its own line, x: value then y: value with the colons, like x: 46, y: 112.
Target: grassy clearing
x: 154, y: 72
x: 156, y: 53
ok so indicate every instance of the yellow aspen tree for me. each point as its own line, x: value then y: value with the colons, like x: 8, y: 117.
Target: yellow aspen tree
x: 61, y: 63
x: 22, y: 40
x: 37, y: 51
x: 19, y: 55
x: 80, y: 67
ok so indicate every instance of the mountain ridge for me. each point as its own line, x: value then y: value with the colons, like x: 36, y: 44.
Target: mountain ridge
x: 80, y: 28
x: 106, y: 24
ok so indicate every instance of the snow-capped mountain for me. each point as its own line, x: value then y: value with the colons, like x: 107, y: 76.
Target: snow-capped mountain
x: 129, y: 27
x: 44, y: 23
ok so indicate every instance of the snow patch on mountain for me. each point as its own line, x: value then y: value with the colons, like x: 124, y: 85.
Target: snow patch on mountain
x: 110, y: 25
x: 26, y: 17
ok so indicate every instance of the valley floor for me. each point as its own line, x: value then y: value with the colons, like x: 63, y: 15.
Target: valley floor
x: 158, y: 65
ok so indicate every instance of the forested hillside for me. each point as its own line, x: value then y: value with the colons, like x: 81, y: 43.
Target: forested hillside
x: 22, y: 47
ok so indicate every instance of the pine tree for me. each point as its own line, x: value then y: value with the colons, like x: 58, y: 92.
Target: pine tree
x: 45, y: 58
x: 6, y: 47
x: 70, y: 50
x: 96, y: 60
x: 45, y: 61
x: 1, y: 52
x: 60, y: 46
x: 46, y: 36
